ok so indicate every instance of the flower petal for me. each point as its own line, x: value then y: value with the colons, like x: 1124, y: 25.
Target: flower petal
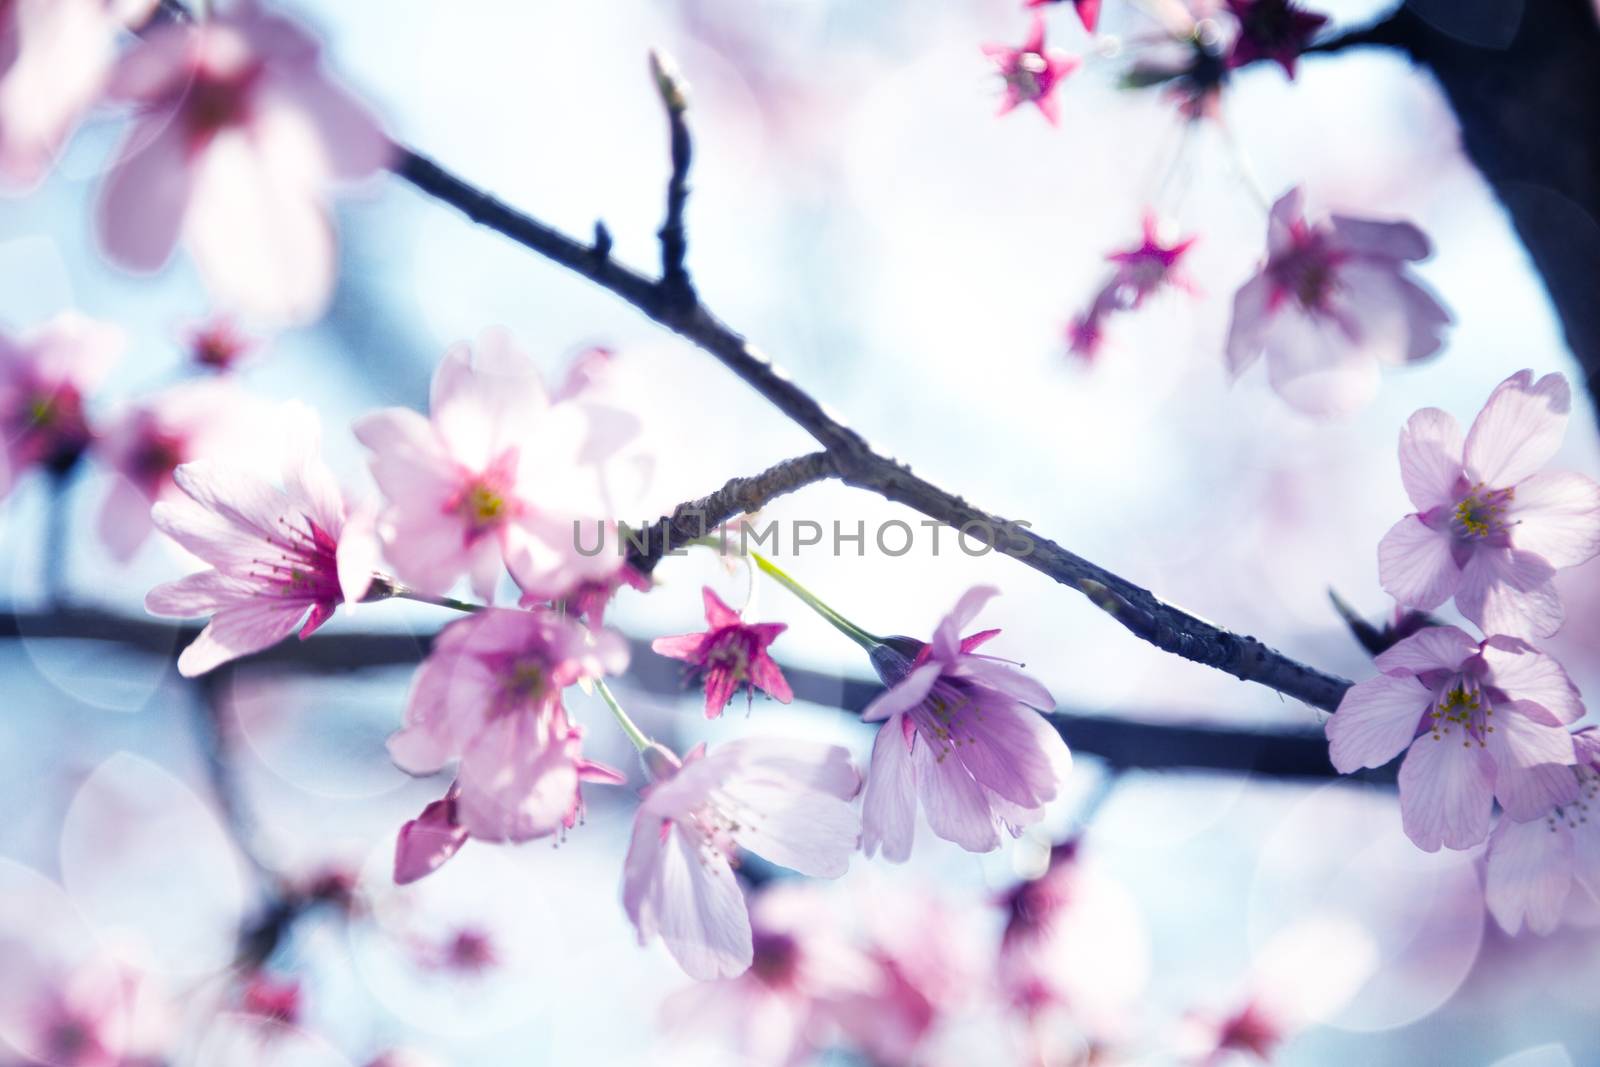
x: 1446, y: 792
x: 889, y: 806
x: 1432, y: 648
x: 904, y: 695
x: 239, y: 629
x: 956, y: 805
x: 1519, y: 428
x: 1416, y: 564
x: 1430, y: 458
x: 1528, y: 874
x: 1525, y: 674
x: 1375, y: 722
x: 1557, y: 515
x: 1508, y: 591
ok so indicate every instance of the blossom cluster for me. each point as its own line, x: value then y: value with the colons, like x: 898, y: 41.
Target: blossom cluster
x: 1485, y: 722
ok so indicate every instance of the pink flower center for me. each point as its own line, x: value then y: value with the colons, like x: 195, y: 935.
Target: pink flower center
x: 484, y: 501
x: 1308, y: 272
x: 48, y: 425
x: 945, y: 719
x: 470, y: 951
x: 217, y: 100
x: 732, y: 650
x: 775, y: 959
x: 154, y: 459
x: 1028, y: 75
x: 1250, y: 1031
x: 1463, y: 704
x: 1481, y: 513
x: 307, y: 566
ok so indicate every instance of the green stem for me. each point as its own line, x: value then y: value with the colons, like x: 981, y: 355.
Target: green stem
x: 629, y: 727
x: 404, y: 592
x: 839, y: 622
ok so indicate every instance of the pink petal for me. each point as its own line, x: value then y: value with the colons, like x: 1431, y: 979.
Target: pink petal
x: 1316, y: 368
x: 444, y: 709
x: 1426, y: 318
x: 359, y: 554
x: 1430, y: 649
x: 947, y: 638
x: 1557, y: 516
x: 351, y: 138
x: 1252, y: 313
x: 1446, y: 792
x: 1527, y: 675
x: 718, y: 614
x: 1284, y: 219
x: 683, y: 646
x: 1014, y: 753
x: 238, y: 630
x: 768, y: 677
x: 124, y: 521
x: 1519, y: 428
x: 1532, y: 772
x: 1528, y: 874
x: 143, y: 202
x: 426, y: 843
x: 889, y: 805
x: 1430, y: 458
x: 955, y: 804
x: 1388, y: 240
x: 194, y: 595
x: 1004, y: 678
x: 517, y: 783
x: 904, y: 695
x: 720, y: 686
x: 1375, y: 722
x: 812, y: 833
x: 699, y: 910
x: 1416, y: 564
x: 808, y: 765
x: 1507, y: 591
x: 1088, y: 12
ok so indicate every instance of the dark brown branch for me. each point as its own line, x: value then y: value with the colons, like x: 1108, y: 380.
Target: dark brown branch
x: 1124, y: 743
x: 675, y: 282
x: 857, y: 464
x: 697, y: 518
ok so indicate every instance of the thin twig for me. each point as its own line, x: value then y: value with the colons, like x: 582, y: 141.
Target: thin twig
x: 675, y: 282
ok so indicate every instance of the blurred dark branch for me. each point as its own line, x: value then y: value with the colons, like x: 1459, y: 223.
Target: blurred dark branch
x: 1123, y: 743
x: 1527, y: 98
x: 857, y: 464
x: 674, y: 237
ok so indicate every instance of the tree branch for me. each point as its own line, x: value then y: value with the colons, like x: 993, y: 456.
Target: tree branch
x: 1167, y: 627
x: 696, y: 518
x: 674, y: 238
x: 1123, y: 742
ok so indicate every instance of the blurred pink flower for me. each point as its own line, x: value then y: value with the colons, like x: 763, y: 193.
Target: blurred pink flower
x: 152, y: 438
x: 959, y: 731
x: 729, y: 653
x: 787, y: 801
x: 270, y: 998
x: 55, y: 56
x: 45, y: 377
x: 1533, y: 864
x: 1483, y: 721
x: 97, y: 1013
x: 1272, y: 29
x: 1141, y: 272
x: 1332, y: 303
x: 497, y: 473
x: 282, y: 557
x: 1490, y: 528
x: 1032, y: 72
x: 219, y: 345
x: 425, y: 843
x: 589, y: 599
x: 1088, y: 10
x: 238, y: 135
x: 489, y: 694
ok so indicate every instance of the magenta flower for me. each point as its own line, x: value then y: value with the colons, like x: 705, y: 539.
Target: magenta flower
x: 55, y: 56
x: 1332, y: 303
x: 1272, y: 29
x: 1032, y: 72
x: 489, y: 694
x: 238, y: 136
x: 152, y: 438
x: 1141, y: 272
x: 1490, y: 528
x: 497, y: 474
x: 282, y: 557
x: 1533, y: 864
x: 787, y: 801
x: 427, y: 842
x: 729, y: 653
x: 960, y: 733
x: 45, y: 377
x: 1088, y: 10
x: 1479, y: 722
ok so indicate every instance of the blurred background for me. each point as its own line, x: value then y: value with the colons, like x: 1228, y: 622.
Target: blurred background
x: 859, y: 212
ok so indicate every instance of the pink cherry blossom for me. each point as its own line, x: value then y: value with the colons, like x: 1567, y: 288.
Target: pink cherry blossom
x: 1491, y: 528
x: 46, y: 376
x: 730, y: 653
x: 489, y: 694
x: 152, y: 438
x: 283, y: 556
x: 238, y: 136
x: 1032, y: 72
x: 1332, y: 303
x: 1534, y: 865
x: 960, y: 733
x: 428, y: 841
x: 787, y: 801
x: 55, y: 56
x: 1141, y: 272
x: 99, y: 1012
x: 219, y: 345
x: 497, y: 474
x: 589, y: 599
x: 1088, y: 10
x: 1272, y: 29
x: 1479, y: 722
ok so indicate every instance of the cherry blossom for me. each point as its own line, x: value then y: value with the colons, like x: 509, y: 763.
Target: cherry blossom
x: 148, y: 441
x: 1479, y: 721
x: 97, y: 1012
x: 1333, y: 302
x: 787, y: 801
x: 282, y: 556
x: 729, y: 653
x: 959, y: 732
x: 1534, y: 865
x: 1032, y: 72
x: 46, y: 376
x: 1277, y: 30
x: 55, y: 56
x: 1491, y: 527
x: 489, y: 694
x: 1141, y: 272
x: 497, y: 474
x: 238, y: 136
